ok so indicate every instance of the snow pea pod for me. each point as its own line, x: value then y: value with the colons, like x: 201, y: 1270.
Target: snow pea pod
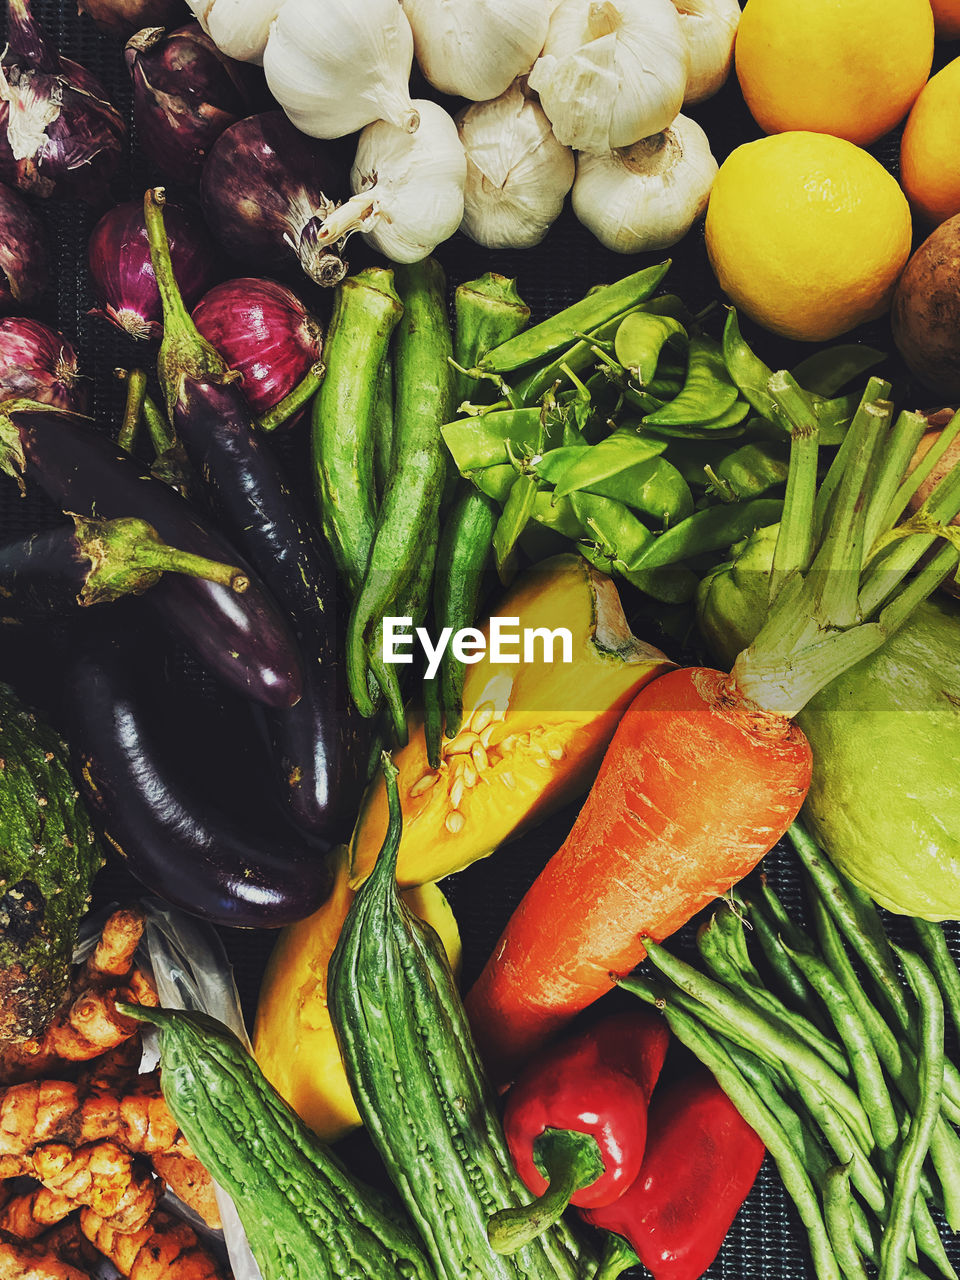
x: 617, y: 532
x: 826, y: 372
x: 620, y: 451
x: 729, y: 423
x: 514, y: 518
x: 556, y: 334
x: 557, y: 514
x: 708, y: 391
x: 488, y: 439
x: 496, y: 482
x: 754, y: 468
x: 712, y: 529
x: 749, y: 372
x: 640, y: 340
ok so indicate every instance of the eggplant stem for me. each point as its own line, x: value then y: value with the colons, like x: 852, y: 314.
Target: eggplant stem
x: 136, y: 380
x: 301, y: 394
x: 161, y: 438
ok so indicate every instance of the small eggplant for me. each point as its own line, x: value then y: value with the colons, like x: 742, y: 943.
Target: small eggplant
x: 243, y: 639
x: 185, y: 93
x: 24, y: 253
x: 97, y: 561
x: 313, y: 741
x: 215, y: 866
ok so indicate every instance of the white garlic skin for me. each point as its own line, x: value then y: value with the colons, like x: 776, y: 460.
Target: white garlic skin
x: 645, y: 198
x: 239, y: 28
x: 475, y: 48
x: 415, y: 182
x: 518, y: 174
x: 339, y: 66
x: 611, y: 71
x: 710, y: 29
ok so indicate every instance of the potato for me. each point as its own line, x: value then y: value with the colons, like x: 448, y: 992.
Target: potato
x: 926, y: 311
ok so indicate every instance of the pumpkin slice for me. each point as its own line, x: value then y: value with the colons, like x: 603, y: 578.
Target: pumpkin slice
x: 293, y: 1039
x: 533, y: 732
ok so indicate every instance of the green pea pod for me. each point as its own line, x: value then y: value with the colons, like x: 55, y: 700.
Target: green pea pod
x: 366, y: 310
x: 655, y: 489
x: 582, y: 354
x: 409, y: 511
x: 620, y: 451
x: 612, y: 526
x: 834, y: 418
x: 557, y: 514
x: 708, y: 391
x: 514, y: 518
x: 556, y: 334
x: 713, y: 529
x: 754, y: 468
x: 728, y: 425
x: 489, y: 439
x: 553, y: 466
x: 488, y: 312
x: 641, y: 338
x: 673, y: 584
x: 496, y: 482
x: 827, y: 372
x: 748, y: 372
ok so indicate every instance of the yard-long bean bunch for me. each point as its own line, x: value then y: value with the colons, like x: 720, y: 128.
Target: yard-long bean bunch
x: 844, y: 1077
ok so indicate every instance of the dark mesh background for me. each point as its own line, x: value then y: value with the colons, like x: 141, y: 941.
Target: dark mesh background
x: 767, y: 1240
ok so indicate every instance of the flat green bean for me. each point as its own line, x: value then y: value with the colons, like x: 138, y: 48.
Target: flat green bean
x: 800, y: 1057
x: 906, y: 1185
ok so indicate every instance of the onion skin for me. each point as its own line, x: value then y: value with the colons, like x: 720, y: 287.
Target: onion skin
x: 24, y: 253
x: 78, y: 151
x: 122, y: 18
x: 185, y: 93
x: 266, y: 185
x: 37, y: 363
x: 119, y: 260
x: 265, y: 333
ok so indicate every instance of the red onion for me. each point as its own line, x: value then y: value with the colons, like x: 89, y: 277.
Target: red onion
x: 37, y: 363
x: 119, y: 259
x: 122, y: 18
x: 185, y: 93
x: 265, y: 191
x: 58, y: 132
x: 264, y: 332
x: 24, y: 256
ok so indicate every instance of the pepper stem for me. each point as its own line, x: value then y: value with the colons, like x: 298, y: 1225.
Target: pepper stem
x: 569, y: 1161
x: 127, y: 556
x: 184, y: 352
x: 617, y: 1257
x: 303, y: 392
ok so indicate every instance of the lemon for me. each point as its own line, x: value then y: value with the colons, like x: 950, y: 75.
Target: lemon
x: 807, y: 234
x: 930, y: 148
x: 848, y: 67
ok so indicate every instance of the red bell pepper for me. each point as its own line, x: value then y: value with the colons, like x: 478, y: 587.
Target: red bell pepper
x: 701, y: 1160
x: 576, y: 1122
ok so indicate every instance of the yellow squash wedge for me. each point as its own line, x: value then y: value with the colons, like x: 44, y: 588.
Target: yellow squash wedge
x: 293, y: 1039
x: 533, y: 732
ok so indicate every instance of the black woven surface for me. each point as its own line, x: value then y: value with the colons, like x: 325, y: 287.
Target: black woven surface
x: 766, y: 1242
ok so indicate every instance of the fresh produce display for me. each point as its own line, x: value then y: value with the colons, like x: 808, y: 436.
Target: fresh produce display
x: 427, y: 541
x: 293, y: 1039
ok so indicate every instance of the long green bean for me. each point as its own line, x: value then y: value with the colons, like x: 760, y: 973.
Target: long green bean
x: 943, y: 965
x: 791, y: 981
x: 838, y: 1215
x: 906, y: 1186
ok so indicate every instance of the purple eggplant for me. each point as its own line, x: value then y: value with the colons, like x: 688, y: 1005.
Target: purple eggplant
x: 59, y: 133
x: 24, y: 253
x: 266, y: 190
x: 243, y: 639
x: 314, y: 742
x: 231, y: 869
x: 185, y: 93
x: 94, y: 562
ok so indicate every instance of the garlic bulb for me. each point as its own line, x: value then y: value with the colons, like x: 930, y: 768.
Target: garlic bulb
x: 710, y: 28
x: 517, y: 172
x: 611, y: 71
x: 239, y: 28
x: 475, y: 48
x: 409, y: 187
x: 646, y: 197
x: 338, y: 66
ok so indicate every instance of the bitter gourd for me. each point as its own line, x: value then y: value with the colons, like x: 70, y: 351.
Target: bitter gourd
x: 421, y: 1091
x: 48, y: 858
x: 305, y: 1216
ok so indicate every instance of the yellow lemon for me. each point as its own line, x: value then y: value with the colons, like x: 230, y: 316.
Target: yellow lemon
x: 852, y: 68
x: 930, y: 148
x: 807, y: 234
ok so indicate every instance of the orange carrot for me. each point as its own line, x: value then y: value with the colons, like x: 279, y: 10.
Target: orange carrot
x: 706, y: 771
x: 694, y: 789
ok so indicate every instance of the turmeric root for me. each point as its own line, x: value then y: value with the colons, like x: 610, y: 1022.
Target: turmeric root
x: 166, y: 1249
x: 187, y: 1178
x: 54, y: 1110
x: 115, y: 1071
x: 28, y: 1215
x: 113, y: 955
x: 35, y: 1112
x: 35, y: 1262
x: 70, y: 1245
x: 102, y: 1176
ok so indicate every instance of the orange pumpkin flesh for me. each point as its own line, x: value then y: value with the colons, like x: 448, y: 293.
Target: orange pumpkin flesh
x: 532, y: 737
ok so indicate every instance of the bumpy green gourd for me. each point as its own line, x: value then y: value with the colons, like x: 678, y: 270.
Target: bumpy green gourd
x: 305, y: 1216
x: 420, y: 1089
x: 48, y: 858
